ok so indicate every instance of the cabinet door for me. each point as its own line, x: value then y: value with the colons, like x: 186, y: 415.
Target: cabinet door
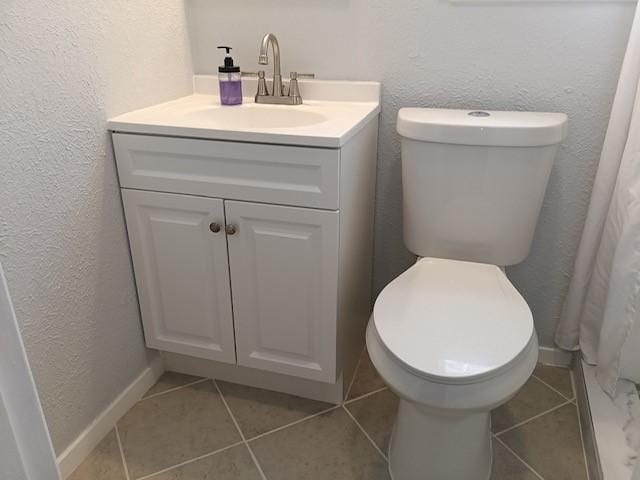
x: 284, y: 277
x: 182, y: 273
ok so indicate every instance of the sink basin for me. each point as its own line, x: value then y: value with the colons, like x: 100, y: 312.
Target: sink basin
x: 253, y: 116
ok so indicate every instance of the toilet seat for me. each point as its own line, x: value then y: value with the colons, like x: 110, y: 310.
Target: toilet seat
x: 453, y: 322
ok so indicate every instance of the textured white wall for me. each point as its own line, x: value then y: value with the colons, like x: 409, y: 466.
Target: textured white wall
x: 521, y: 55
x: 65, y: 66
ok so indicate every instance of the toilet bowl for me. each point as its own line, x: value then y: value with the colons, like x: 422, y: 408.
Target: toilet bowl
x: 451, y: 336
x: 453, y: 340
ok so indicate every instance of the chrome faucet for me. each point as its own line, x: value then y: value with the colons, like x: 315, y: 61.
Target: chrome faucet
x: 263, y: 59
x: 278, y: 95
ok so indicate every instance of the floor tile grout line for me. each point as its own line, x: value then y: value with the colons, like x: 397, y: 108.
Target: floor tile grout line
x: 355, y: 374
x: 584, y: 450
x: 535, y: 417
x: 255, y: 461
x: 553, y: 389
x: 518, y: 457
x: 122, y: 457
x: 284, y: 427
x: 174, y: 389
x: 192, y: 460
x: 244, y: 440
x: 361, y: 397
x: 365, y: 433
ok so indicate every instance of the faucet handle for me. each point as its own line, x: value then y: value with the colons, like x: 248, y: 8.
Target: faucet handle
x: 262, y: 85
x: 296, y: 75
x: 294, y: 89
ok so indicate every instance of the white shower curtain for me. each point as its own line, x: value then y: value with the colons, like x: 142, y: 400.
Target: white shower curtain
x: 601, y: 312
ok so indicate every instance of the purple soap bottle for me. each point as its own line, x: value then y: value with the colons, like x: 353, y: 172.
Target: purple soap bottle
x: 230, y: 81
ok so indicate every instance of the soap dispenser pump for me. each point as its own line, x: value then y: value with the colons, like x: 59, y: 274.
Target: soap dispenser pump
x: 230, y: 80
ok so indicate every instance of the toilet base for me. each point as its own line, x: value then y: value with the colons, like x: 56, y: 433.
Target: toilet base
x: 429, y: 445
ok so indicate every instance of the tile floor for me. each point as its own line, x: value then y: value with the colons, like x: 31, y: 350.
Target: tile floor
x: 189, y: 428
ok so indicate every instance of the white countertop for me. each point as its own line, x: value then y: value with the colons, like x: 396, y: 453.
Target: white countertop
x: 333, y: 111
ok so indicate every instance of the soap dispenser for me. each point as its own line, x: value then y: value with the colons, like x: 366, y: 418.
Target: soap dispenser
x: 230, y: 81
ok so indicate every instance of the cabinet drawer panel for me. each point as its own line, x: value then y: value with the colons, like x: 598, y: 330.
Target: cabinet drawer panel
x: 242, y: 171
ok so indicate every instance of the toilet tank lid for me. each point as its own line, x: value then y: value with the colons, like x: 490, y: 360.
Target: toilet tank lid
x: 482, y: 127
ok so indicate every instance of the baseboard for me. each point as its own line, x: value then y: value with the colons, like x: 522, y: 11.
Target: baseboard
x: 84, y: 444
x: 554, y: 357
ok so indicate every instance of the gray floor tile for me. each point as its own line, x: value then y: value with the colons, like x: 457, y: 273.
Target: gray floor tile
x: 162, y: 431
x: 232, y: 464
x: 551, y: 444
x: 533, y: 399
x: 326, y: 447
x: 557, y: 377
x: 367, y: 379
x: 507, y: 467
x: 258, y: 411
x: 170, y: 380
x: 376, y: 414
x: 104, y: 463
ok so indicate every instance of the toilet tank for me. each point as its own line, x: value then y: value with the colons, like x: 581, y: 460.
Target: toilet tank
x: 474, y: 181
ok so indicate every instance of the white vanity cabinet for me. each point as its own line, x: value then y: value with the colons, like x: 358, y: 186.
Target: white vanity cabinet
x: 252, y: 261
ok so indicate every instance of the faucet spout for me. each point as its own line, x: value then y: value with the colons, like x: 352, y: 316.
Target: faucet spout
x: 263, y: 59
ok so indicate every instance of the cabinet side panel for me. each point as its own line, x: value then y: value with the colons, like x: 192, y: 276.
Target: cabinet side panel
x: 357, y: 200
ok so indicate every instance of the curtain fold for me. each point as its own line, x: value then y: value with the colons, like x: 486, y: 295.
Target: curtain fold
x: 602, y: 305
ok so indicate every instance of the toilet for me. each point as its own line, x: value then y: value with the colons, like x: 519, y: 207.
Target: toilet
x: 451, y: 336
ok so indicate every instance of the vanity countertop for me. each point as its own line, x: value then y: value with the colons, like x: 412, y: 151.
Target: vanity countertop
x: 333, y: 111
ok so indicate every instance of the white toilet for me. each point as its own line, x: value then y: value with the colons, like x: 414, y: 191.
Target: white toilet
x: 451, y: 336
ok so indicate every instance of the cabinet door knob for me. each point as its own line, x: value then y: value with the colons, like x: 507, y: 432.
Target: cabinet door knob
x: 214, y: 227
x: 231, y: 229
